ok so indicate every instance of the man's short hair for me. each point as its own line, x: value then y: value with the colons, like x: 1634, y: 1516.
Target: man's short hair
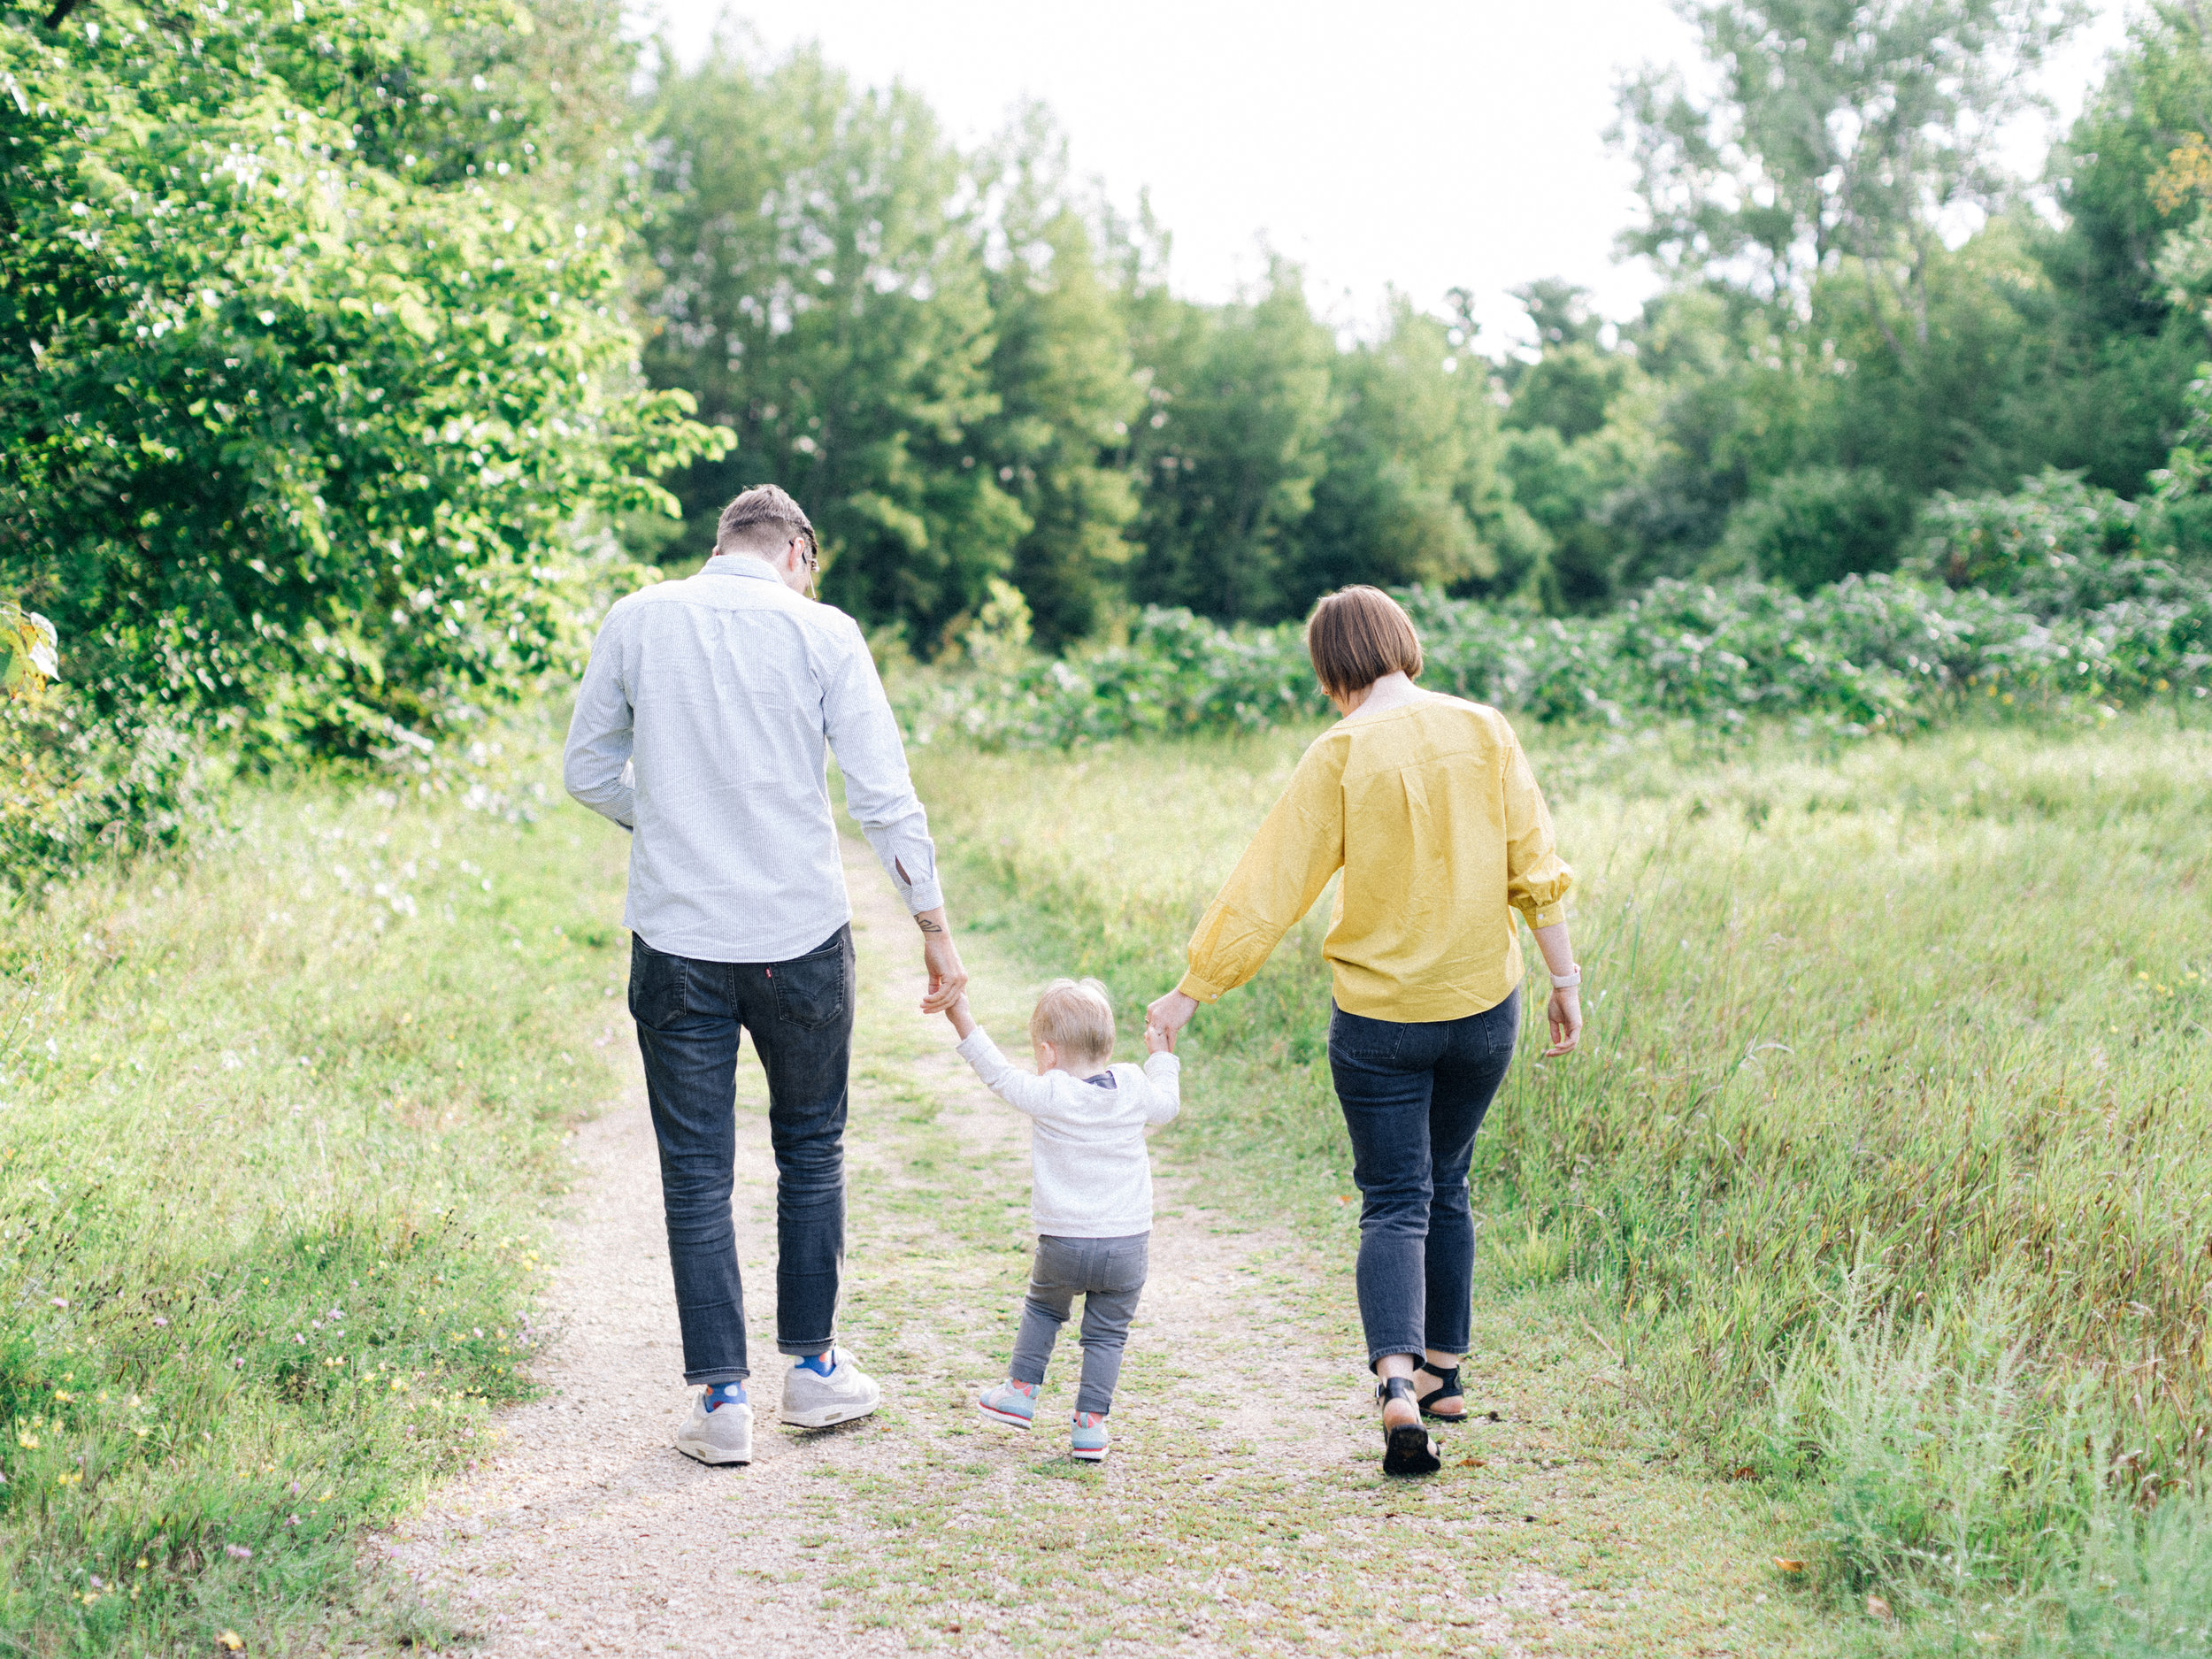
x: 763, y: 519
x: 1355, y: 636
x: 1077, y: 1018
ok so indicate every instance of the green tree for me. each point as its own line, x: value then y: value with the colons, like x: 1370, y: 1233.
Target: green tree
x: 1414, y: 489
x: 1066, y: 383
x: 822, y: 290
x: 2124, y: 346
x: 301, y: 431
x: 1842, y: 132
x: 1240, y: 403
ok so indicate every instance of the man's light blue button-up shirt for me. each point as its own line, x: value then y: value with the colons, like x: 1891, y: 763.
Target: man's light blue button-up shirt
x: 704, y: 724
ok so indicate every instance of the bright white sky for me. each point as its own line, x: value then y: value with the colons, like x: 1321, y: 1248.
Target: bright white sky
x: 1419, y: 143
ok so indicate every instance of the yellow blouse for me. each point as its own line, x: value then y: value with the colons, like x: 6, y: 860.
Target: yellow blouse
x: 1432, y: 814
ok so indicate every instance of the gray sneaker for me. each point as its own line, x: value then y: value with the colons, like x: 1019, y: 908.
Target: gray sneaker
x: 723, y: 1435
x: 815, y: 1402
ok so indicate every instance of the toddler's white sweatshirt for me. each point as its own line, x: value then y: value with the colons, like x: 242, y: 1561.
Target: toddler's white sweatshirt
x: 1090, y: 1176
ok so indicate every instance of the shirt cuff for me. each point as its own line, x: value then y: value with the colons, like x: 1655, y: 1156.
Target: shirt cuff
x: 1547, y: 915
x: 925, y: 895
x: 1197, y: 989
x: 975, y: 1045
x: 1174, y: 1061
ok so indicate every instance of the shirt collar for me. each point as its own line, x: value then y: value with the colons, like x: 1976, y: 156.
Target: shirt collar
x: 740, y: 565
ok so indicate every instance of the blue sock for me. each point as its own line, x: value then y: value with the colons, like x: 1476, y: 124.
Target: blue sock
x: 821, y: 1365
x: 729, y: 1394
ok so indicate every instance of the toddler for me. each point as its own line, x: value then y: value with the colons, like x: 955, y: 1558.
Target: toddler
x: 1090, y: 1190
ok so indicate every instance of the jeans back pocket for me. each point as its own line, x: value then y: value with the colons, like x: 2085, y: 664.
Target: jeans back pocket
x: 813, y: 992
x: 659, y: 988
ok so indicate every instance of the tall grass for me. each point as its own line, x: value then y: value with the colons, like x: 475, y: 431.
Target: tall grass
x: 1892, y: 1121
x: 279, y: 1125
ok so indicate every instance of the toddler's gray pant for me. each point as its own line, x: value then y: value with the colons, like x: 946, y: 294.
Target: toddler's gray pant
x: 1107, y: 1273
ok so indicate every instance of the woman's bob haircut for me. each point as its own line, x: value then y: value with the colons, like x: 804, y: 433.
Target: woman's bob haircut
x: 1355, y: 636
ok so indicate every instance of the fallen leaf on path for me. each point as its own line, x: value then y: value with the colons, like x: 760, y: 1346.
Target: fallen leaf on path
x: 230, y: 1640
x: 1788, y: 1565
x: 1746, y: 1472
x: 1876, y: 1608
x: 1472, y: 1462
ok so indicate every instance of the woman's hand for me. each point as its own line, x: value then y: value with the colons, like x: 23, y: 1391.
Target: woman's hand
x: 1168, y: 1016
x: 1566, y: 1021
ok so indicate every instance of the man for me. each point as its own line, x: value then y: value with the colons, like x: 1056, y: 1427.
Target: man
x: 700, y: 725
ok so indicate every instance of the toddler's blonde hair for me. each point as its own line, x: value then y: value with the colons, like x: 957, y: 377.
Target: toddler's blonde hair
x: 1077, y: 1018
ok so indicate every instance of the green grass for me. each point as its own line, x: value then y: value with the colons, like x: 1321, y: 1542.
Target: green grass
x: 278, y: 1128
x: 1887, y: 1169
x: 1884, y: 1177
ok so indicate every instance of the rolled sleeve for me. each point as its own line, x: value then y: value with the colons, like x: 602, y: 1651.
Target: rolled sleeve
x: 1537, y: 879
x: 879, y: 790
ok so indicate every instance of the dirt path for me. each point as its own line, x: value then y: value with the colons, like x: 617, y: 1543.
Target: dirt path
x: 1241, y: 1512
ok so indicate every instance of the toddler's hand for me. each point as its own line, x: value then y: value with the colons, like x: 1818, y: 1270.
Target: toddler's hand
x: 1158, y: 1039
x: 962, y: 1021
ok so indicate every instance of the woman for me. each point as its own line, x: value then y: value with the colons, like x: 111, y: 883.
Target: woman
x: 1427, y: 805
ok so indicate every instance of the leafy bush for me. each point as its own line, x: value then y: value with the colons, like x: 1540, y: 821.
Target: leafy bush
x: 298, y: 427
x: 1816, y: 525
x: 1867, y: 653
x: 1997, y: 541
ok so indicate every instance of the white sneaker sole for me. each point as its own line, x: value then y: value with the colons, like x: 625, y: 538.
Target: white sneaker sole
x: 1087, y: 1455
x: 720, y: 1456
x: 829, y: 1416
x: 1007, y: 1417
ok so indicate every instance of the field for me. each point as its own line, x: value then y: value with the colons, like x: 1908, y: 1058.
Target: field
x: 1885, y: 1169
x: 1876, y: 1206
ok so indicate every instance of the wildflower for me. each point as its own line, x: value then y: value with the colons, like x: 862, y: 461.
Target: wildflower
x: 158, y: 1320
x: 238, y: 1552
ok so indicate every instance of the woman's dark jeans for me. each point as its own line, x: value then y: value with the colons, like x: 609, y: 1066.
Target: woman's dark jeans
x: 1413, y: 1097
x: 689, y: 1015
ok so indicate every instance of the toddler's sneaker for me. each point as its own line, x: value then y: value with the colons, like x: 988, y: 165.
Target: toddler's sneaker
x: 1087, y: 1438
x: 1010, y: 1403
x: 723, y: 1435
x: 812, y: 1400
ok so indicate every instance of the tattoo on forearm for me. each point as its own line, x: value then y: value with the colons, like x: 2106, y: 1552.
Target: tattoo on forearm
x: 927, y: 925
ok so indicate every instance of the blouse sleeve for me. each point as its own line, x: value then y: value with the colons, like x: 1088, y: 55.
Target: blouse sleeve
x: 1299, y: 847
x: 1536, y: 878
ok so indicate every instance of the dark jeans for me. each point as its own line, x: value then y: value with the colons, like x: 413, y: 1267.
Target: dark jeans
x: 1413, y: 1097
x: 1108, y: 1274
x: 689, y: 1015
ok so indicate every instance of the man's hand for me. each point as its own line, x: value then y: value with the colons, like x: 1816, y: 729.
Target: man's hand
x: 1168, y: 1016
x: 1566, y: 1022
x: 947, y: 978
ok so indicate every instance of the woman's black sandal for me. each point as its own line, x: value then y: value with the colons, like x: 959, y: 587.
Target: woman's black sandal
x: 1446, y: 1388
x: 1410, y: 1450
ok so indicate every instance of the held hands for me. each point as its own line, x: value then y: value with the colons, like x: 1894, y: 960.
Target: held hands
x: 1165, y: 1019
x: 948, y: 979
x: 1566, y: 1021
